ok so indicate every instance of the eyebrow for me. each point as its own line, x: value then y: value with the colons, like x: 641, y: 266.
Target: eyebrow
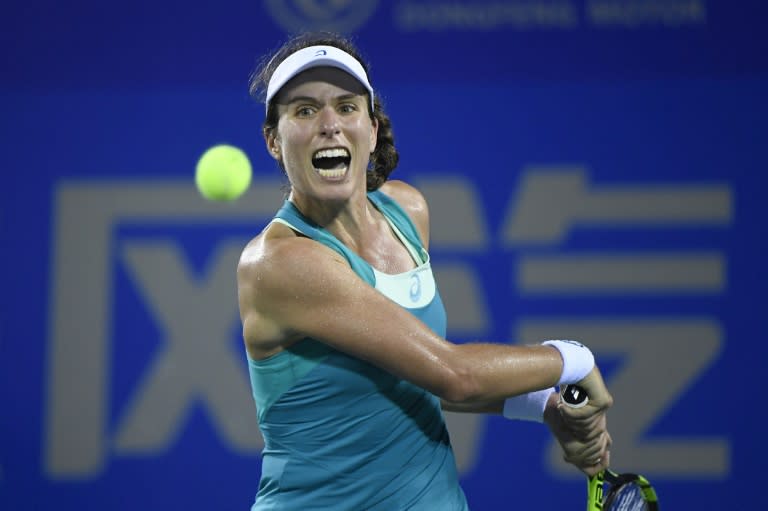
x: 310, y: 99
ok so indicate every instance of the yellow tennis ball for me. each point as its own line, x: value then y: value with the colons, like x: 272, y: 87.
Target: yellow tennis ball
x: 223, y: 173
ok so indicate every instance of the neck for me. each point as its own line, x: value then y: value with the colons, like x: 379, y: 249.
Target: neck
x: 349, y: 220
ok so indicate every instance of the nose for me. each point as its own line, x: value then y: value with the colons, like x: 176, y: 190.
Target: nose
x: 329, y: 122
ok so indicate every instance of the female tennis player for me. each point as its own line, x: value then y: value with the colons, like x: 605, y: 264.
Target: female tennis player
x: 342, y: 320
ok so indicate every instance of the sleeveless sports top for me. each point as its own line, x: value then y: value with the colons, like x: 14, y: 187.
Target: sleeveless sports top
x: 340, y: 433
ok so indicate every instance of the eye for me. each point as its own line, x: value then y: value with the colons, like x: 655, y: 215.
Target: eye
x: 347, y: 108
x: 305, y: 111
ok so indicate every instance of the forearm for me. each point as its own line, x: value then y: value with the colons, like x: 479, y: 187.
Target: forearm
x: 527, y: 407
x: 489, y: 407
x: 497, y: 371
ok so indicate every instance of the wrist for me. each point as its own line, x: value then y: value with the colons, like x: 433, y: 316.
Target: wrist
x: 528, y: 407
x: 578, y: 361
x: 551, y: 412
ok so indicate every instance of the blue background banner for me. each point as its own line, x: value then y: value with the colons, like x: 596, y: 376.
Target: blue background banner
x: 595, y: 169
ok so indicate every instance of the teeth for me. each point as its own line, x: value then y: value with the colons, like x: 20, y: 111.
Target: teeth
x: 331, y: 163
x: 332, y: 153
x: 331, y: 173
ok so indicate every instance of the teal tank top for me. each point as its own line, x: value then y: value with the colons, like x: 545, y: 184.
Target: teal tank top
x: 342, y: 434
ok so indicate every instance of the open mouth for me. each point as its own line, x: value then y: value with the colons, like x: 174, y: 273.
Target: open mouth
x: 331, y: 163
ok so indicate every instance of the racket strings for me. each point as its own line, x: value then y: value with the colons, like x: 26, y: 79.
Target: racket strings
x: 628, y: 492
x: 626, y: 497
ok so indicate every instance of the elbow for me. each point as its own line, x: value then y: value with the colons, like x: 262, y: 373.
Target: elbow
x: 461, y: 386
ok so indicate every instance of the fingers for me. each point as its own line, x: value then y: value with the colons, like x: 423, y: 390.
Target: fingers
x: 590, y: 458
x: 586, y: 428
x: 589, y: 453
x: 594, y: 469
x: 582, y: 432
x: 586, y: 443
x: 602, y: 464
x: 579, y: 417
x: 582, y: 415
x: 594, y: 386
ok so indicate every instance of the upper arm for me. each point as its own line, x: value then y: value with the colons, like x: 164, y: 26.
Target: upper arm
x: 295, y: 287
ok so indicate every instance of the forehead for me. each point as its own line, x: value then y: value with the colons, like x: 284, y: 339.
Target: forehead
x: 318, y: 78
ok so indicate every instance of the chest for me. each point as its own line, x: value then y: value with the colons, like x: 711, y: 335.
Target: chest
x: 386, y: 252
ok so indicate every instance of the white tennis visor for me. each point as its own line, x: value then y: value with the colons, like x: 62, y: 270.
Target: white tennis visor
x: 315, y: 56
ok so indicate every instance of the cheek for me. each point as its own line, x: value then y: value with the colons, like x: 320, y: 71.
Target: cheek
x: 284, y: 140
x: 371, y: 127
x: 293, y: 134
x: 367, y: 134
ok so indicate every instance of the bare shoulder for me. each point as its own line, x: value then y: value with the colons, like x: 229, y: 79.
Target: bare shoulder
x: 279, y: 252
x: 274, y: 268
x: 409, y: 197
x: 413, y: 202
x: 263, y: 251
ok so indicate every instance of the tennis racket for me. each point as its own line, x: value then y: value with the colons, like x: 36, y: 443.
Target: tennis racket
x: 608, y: 490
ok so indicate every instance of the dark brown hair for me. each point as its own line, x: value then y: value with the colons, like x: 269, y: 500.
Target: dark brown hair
x: 385, y: 157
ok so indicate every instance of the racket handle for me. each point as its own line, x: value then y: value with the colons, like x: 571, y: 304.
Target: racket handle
x: 574, y: 396
x: 595, y: 489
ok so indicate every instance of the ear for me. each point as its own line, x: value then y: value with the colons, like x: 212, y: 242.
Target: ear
x: 273, y: 145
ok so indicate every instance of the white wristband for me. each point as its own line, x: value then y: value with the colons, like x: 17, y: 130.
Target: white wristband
x: 578, y: 361
x: 527, y: 407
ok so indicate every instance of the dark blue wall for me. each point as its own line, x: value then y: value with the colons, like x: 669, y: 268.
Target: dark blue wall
x: 596, y: 169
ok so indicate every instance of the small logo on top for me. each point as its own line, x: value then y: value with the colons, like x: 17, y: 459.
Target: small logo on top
x: 415, y: 291
x: 343, y: 16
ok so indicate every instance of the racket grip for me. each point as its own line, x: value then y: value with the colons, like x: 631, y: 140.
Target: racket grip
x: 595, y: 491
x: 573, y: 396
